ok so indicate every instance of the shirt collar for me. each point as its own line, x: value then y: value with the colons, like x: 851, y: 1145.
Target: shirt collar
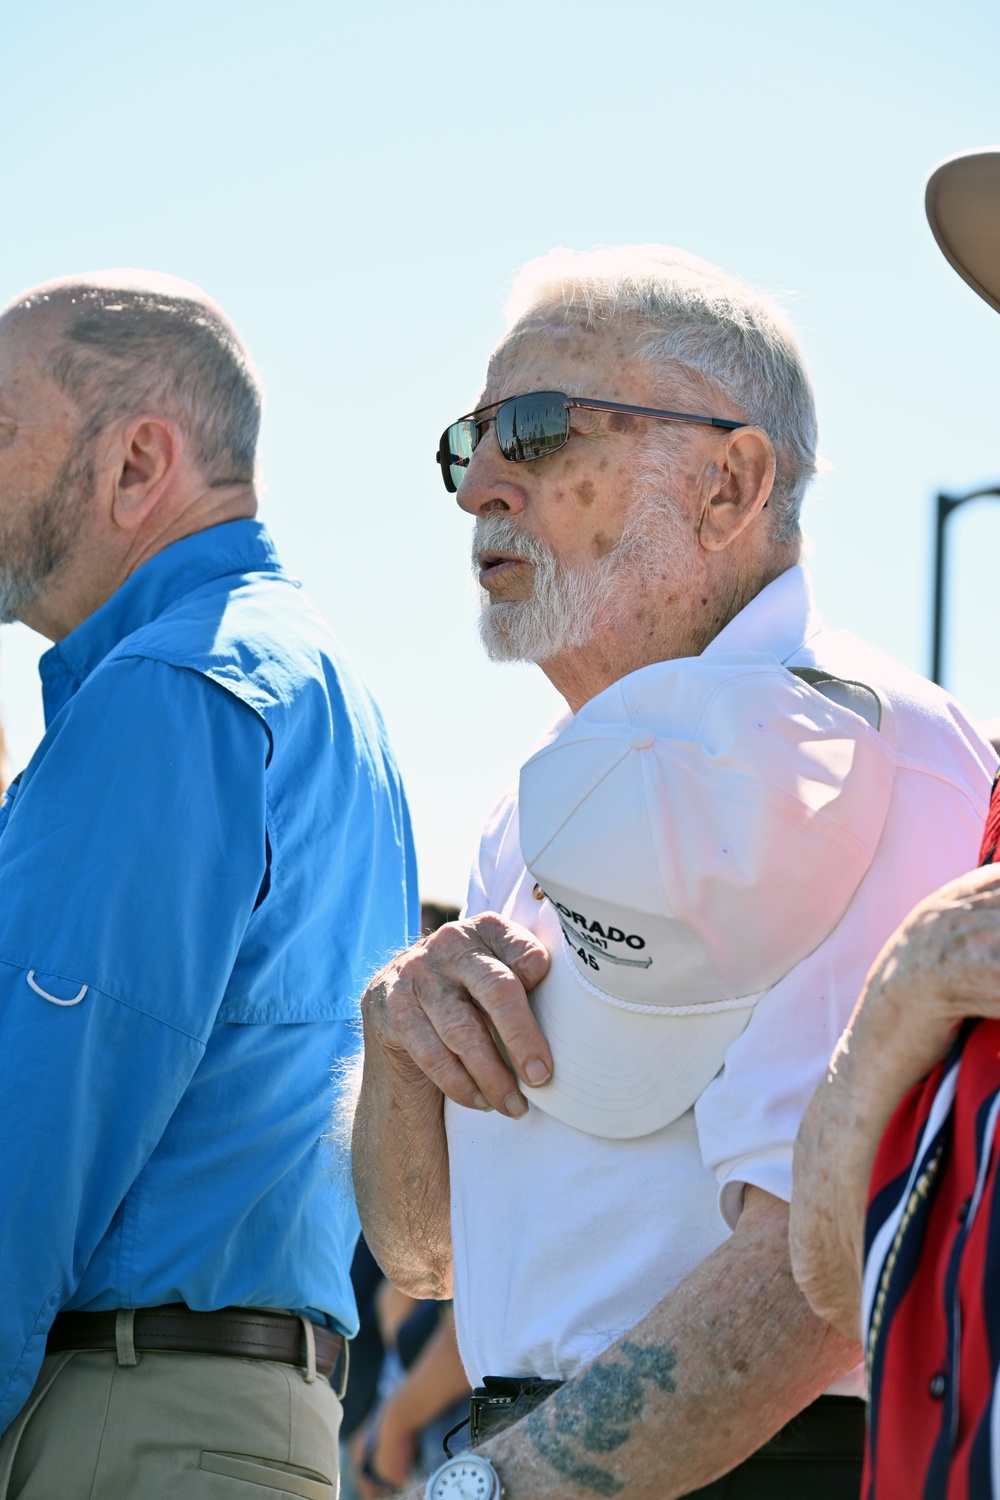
x: 778, y: 620
x: 233, y: 547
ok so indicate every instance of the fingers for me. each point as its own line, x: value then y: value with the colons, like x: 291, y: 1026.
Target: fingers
x: 496, y: 969
x: 450, y: 1042
x: 516, y: 946
x: 950, y: 945
x: 456, y: 1004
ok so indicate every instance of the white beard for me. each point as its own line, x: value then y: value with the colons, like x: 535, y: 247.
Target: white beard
x: 569, y: 605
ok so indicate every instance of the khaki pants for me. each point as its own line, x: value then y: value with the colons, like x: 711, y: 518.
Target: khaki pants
x: 171, y: 1427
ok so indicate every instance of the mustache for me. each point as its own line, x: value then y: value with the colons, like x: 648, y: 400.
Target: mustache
x: 497, y: 533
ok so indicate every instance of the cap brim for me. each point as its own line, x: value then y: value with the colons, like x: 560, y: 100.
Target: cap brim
x: 622, y: 1073
x: 963, y: 210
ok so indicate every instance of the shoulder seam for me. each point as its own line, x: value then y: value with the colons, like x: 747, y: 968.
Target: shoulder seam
x: 220, y: 684
x: 920, y: 768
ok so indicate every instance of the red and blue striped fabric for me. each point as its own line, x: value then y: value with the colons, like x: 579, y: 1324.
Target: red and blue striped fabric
x: 931, y: 1296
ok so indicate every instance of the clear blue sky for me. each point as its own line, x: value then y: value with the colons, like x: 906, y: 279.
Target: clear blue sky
x: 357, y: 188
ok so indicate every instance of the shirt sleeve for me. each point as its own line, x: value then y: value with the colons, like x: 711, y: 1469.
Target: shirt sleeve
x: 132, y: 856
x: 496, y: 833
x: 749, y: 1115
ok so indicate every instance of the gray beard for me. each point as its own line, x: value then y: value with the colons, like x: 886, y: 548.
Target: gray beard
x: 39, y: 537
x: 569, y: 605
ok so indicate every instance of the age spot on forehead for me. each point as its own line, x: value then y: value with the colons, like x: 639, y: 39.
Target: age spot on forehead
x: 585, y: 491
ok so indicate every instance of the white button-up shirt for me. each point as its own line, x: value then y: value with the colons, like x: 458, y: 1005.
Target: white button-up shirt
x: 562, y: 1240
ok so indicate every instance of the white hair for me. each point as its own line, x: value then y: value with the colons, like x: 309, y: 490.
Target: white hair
x: 691, y: 315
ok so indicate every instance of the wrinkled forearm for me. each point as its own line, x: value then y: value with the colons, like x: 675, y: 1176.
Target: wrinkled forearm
x: 446, y: 1017
x: 899, y: 1031
x: 400, y: 1163
x: 834, y: 1156
x: 694, y: 1388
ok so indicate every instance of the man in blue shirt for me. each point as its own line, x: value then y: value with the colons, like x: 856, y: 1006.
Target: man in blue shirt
x: 208, y: 853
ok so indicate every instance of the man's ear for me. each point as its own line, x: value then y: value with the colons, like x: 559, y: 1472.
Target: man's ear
x: 740, y: 488
x: 149, y: 458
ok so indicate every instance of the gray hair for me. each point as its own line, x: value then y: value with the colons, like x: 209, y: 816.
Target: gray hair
x: 122, y: 351
x: 693, y: 316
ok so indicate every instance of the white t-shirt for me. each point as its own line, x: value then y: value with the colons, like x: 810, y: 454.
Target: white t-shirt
x: 563, y: 1240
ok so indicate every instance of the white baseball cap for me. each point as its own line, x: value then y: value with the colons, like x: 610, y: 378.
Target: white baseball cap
x: 695, y: 831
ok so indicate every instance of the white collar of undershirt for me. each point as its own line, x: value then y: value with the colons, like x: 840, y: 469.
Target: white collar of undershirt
x: 778, y: 620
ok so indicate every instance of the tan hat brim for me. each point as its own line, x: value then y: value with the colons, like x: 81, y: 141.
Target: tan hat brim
x: 963, y: 210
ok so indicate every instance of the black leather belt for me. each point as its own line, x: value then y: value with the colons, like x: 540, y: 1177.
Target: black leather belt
x: 240, y: 1332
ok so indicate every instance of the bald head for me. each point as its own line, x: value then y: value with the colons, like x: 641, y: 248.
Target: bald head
x: 127, y: 343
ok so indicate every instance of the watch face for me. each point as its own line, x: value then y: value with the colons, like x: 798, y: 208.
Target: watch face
x: 467, y: 1477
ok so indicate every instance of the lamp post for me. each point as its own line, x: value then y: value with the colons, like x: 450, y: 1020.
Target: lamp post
x: 946, y: 506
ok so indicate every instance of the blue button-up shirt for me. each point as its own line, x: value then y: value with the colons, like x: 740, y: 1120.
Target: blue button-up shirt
x: 208, y: 854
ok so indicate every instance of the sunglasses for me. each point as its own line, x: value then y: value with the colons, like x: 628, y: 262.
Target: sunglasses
x: 531, y: 426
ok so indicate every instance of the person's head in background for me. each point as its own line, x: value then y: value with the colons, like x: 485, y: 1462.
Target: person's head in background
x: 434, y: 914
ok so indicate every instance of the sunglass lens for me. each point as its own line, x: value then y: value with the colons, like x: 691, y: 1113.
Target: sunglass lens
x: 530, y: 426
x: 458, y: 443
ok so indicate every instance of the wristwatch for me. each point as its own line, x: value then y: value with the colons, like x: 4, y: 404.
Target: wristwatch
x: 469, y: 1476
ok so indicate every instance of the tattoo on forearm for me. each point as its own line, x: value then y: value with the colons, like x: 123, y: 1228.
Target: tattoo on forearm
x: 597, y: 1411
x: 557, y: 1453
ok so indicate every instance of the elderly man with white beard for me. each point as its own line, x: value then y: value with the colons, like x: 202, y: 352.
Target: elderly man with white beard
x: 579, y: 1101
